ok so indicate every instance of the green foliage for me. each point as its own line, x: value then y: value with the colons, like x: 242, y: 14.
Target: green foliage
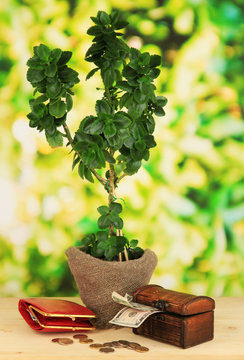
x: 108, y: 246
x: 50, y: 76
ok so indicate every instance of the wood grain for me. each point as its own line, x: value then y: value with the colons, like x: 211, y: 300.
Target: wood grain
x: 19, y: 342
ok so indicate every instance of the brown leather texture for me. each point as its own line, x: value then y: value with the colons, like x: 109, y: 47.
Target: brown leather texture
x: 182, y: 331
x: 173, y: 301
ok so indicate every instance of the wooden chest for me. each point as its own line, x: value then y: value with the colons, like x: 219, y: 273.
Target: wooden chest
x: 186, y: 320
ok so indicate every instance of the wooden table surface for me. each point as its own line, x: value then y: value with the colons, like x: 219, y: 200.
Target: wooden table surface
x: 19, y: 341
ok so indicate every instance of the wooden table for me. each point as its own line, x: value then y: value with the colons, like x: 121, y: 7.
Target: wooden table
x: 19, y: 341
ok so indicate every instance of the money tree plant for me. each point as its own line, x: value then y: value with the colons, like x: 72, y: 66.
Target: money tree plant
x: 112, y: 142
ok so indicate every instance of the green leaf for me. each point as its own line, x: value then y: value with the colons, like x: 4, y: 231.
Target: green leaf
x: 108, y: 76
x: 51, y: 70
x: 96, y: 251
x: 89, y: 156
x: 123, y: 119
x: 94, y: 30
x: 102, y: 235
x: 155, y: 60
x: 109, y: 130
x: 108, y: 157
x: 159, y: 111
x: 104, y: 221
x: 140, y: 97
x: 43, y: 52
x: 76, y: 160
x: 133, y: 243
x: 97, y: 127
x: 116, y: 221
x: 144, y: 59
x: 86, y: 123
x: 104, y: 18
x: 88, y: 175
x: 149, y: 141
x: 121, y: 24
x: 55, y: 140
x: 161, y: 101
x: 55, y: 55
x: 116, y: 207
x: 69, y: 102
x: 58, y: 109
x: 102, y: 106
x: 140, y: 145
x: 114, y: 16
x: 65, y: 57
x: 35, y: 76
x: 36, y: 63
x: 81, y: 170
x: 103, y: 210
x: 132, y: 167
x: 91, y: 73
x: 68, y: 75
x: 123, y: 85
x: 54, y: 89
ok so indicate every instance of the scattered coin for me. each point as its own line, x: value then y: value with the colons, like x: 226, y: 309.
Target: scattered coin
x: 65, y: 341
x: 141, y: 349
x: 80, y: 336
x: 85, y: 341
x: 108, y: 344
x: 124, y: 342
x: 96, y: 346
x: 55, y: 339
x: 106, y: 349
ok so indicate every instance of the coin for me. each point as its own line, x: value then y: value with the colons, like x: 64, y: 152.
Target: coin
x: 110, y: 344
x: 55, y: 339
x: 96, y: 346
x: 106, y: 349
x: 80, y: 336
x: 65, y: 341
x: 85, y: 341
x: 124, y: 342
x: 141, y: 349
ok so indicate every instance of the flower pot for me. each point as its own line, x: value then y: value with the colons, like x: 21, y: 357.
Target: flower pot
x: 96, y: 279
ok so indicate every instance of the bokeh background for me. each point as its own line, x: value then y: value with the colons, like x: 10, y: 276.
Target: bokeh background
x: 186, y: 203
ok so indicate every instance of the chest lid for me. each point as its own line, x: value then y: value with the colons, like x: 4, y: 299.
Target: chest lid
x: 173, y: 301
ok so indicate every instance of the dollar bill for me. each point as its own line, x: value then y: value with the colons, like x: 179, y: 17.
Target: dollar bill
x: 127, y: 301
x: 131, y: 317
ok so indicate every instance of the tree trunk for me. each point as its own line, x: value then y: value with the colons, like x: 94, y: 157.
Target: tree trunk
x: 111, y: 193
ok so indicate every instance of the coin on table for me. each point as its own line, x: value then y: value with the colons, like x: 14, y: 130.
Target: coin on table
x: 55, y: 339
x: 96, y: 346
x: 106, y: 349
x: 141, y: 349
x: 65, y: 341
x: 116, y: 344
x: 85, y: 341
x: 124, y: 342
x: 109, y: 344
x: 80, y: 336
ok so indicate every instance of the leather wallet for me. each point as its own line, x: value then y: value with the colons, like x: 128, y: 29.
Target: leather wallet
x: 53, y: 315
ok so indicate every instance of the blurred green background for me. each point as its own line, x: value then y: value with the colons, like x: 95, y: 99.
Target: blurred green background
x: 186, y: 203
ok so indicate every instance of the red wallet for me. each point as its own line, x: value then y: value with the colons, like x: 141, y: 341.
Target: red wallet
x: 53, y: 315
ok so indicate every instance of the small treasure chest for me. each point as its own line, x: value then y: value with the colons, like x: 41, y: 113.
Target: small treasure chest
x: 186, y: 320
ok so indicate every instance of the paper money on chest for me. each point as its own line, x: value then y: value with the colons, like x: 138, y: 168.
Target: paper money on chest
x: 131, y: 317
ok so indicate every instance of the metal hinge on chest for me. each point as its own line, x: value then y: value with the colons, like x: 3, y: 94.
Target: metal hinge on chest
x: 160, y: 304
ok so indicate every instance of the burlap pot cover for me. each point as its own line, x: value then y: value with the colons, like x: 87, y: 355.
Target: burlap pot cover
x: 96, y: 279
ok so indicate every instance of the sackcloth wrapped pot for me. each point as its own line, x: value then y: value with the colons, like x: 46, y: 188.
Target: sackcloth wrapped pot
x: 96, y: 279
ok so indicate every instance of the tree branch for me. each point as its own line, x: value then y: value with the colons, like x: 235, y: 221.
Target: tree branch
x: 71, y: 141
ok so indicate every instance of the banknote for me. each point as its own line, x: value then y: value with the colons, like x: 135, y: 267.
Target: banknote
x: 131, y: 317
x: 127, y: 301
